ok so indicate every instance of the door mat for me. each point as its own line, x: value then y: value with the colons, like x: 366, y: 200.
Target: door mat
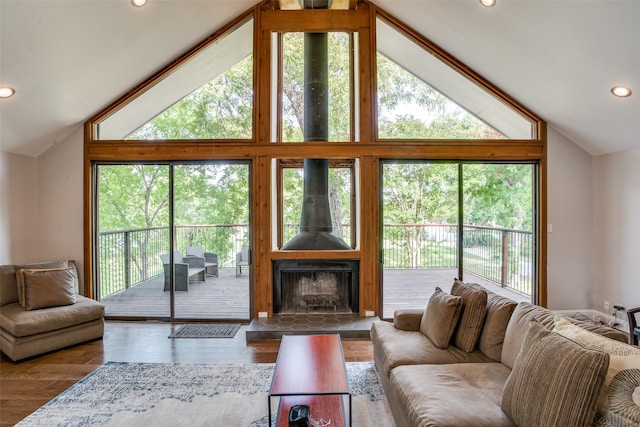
x: 205, y: 330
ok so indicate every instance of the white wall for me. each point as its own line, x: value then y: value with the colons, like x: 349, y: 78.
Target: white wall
x: 570, y: 212
x: 60, y: 196
x: 616, y: 205
x: 18, y: 209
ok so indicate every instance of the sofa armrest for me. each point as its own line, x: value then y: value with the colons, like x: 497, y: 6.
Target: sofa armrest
x: 408, y: 319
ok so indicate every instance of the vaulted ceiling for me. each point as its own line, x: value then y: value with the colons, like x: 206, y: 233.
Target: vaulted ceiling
x: 68, y: 59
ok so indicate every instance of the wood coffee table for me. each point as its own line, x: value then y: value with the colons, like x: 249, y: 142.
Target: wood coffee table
x: 310, y: 370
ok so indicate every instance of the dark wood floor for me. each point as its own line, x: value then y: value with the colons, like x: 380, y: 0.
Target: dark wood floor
x: 26, y: 386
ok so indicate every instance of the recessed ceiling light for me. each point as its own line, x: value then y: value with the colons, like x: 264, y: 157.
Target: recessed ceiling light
x: 621, y: 91
x: 488, y: 3
x: 138, y: 3
x: 6, y: 92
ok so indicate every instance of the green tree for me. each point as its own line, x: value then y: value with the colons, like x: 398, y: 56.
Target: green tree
x: 417, y: 194
x: 431, y: 114
x: 216, y: 196
x: 133, y: 197
x: 499, y: 195
x: 222, y: 108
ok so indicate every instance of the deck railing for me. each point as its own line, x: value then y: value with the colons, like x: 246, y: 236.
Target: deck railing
x: 503, y: 256
x: 129, y: 257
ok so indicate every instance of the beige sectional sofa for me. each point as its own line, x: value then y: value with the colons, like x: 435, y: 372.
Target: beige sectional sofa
x: 45, y: 312
x: 509, y: 364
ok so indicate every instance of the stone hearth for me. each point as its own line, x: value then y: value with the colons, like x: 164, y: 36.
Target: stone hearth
x: 347, y: 325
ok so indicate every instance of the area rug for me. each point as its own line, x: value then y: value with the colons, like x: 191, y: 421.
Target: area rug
x: 205, y: 330
x: 224, y: 395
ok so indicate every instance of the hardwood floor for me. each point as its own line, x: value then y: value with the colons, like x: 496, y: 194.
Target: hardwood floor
x: 26, y: 386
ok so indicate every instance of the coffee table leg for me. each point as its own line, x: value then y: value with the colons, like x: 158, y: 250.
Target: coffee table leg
x: 269, y: 406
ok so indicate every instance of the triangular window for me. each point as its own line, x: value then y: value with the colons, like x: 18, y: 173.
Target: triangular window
x: 181, y: 105
x: 422, y: 97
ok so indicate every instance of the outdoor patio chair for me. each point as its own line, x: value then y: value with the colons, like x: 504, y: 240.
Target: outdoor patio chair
x: 242, y: 258
x: 184, y: 268
x: 210, y: 259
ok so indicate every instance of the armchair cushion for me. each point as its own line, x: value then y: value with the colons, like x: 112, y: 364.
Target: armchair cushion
x: 9, y: 292
x: 54, y: 287
x: 22, y: 323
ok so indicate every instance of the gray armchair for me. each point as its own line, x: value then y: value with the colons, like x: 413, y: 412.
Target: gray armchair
x: 184, y: 269
x: 210, y: 259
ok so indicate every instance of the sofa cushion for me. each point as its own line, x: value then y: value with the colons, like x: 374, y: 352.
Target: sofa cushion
x: 394, y: 347
x: 472, y: 314
x: 621, y: 356
x: 519, y: 325
x: 51, y: 287
x: 17, y: 279
x: 499, y: 311
x: 441, y: 317
x: 555, y: 381
x: 455, y: 395
x: 21, y: 323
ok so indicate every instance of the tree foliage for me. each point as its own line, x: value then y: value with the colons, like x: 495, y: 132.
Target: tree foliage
x: 222, y: 108
x: 499, y: 195
x: 136, y: 196
x: 133, y: 196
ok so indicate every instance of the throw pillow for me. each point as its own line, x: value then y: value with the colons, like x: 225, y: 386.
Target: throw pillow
x: 472, y: 314
x: 53, y: 287
x: 18, y: 270
x: 499, y: 311
x: 554, y: 381
x: 624, y: 409
x: 622, y: 356
x: 441, y: 317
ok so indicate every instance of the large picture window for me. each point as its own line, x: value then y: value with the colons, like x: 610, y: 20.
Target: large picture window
x: 429, y: 171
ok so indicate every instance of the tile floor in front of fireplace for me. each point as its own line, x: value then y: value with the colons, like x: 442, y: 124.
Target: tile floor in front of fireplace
x: 274, y: 327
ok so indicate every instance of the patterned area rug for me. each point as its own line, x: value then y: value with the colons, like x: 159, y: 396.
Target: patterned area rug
x: 204, y: 330
x: 224, y: 395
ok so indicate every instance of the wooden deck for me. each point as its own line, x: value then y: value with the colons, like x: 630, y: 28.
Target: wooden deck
x: 222, y: 297
x: 227, y: 297
x: 412, y: 288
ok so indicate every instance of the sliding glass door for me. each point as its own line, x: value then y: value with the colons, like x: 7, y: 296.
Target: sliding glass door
x: 442, y: 220
x: 211, y: 222
x: 168, y: 240
x: 419, y: 231
x: 498, y: 245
